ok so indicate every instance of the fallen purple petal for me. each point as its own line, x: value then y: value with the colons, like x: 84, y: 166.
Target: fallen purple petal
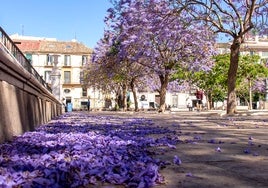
x: 250, y: 143
x: 177, y: 160
x: 212, y: 141
x: 189, y: 174
x: 197, y: 137
x: 72, y: 152
x: 218, y: 149
x: 247, y: 151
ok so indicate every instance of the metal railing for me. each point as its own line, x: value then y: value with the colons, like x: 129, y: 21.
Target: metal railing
x: 20, y: 57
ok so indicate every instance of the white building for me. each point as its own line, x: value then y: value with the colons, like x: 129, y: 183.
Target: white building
x: 253, y: 45
x: 71, y: 56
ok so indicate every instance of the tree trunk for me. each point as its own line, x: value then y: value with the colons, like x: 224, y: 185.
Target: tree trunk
x: 163, y: 92
x: 134, y: 95
x: 232, y: 73
x: 209, y: 100
x: 124, y: 100
x: 250, y: 94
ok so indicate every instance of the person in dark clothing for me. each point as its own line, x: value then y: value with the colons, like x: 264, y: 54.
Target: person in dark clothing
x: 199, y: 97
x: 88, y: 105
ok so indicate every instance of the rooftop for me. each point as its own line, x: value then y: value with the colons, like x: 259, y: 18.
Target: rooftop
x: 49, y: 45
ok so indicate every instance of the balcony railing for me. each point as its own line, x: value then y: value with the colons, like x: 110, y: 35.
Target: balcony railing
x: 19, y: 56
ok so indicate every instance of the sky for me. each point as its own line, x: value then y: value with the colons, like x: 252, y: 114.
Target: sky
x: 61, y: 19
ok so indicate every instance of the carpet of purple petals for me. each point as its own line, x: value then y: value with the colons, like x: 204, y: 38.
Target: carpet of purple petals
x: 79, y: 149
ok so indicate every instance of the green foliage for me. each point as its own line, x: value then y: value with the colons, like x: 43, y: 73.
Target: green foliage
x: 250, y: 68
x: 214, y: 82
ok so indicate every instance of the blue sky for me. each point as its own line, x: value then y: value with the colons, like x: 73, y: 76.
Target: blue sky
x: 61, y: 19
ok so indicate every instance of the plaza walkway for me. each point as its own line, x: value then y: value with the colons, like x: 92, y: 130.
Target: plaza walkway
x: 144, y: 149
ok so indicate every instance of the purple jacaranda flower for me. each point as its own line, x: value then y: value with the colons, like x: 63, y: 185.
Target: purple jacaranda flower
x: 218, y: 149
x: 212, y: 141
x: 171, y: 146
x: 247, y: 151
x: 82, y: 152
x: 250, y: 143
x: 42, y: 182
x: 197, y: 137
x: 177, y: 160
x: 189, y: 174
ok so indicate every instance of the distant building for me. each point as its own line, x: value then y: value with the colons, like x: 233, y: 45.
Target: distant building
x: 253, y: 45
x: 69, y: 57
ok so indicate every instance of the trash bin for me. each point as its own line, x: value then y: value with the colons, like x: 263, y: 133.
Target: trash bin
x: 69, y: 107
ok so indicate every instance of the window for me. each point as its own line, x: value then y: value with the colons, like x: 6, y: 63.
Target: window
x: 81, y: 77
x: 49, y: 60
x: 67, y: 90
x: 265, y: 54
x: 175, y: 101
x: 67, y: 77
x: 67, y: 60
x: 84, y: 59
x: 84, y: 92
x: 47, y: 77
x: 29, y: 57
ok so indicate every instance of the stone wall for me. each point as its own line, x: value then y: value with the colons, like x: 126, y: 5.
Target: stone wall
x: 24, y: 102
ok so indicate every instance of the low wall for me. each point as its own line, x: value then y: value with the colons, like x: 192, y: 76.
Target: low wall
x: 24, y: 102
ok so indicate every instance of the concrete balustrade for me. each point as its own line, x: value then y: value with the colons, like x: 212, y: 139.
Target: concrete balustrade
x: 24, y: 102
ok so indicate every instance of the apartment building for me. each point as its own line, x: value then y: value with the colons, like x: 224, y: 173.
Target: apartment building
x: 65, y: 59
x: 257, y: 45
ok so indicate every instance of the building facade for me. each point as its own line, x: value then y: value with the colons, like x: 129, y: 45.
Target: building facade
x: 253, y: 45
x: 61, y: 65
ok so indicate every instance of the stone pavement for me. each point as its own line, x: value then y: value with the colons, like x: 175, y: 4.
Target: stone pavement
x: 216, y: 150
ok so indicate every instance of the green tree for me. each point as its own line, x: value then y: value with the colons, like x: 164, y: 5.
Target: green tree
x: 249, y: 70
x: 214, y: 82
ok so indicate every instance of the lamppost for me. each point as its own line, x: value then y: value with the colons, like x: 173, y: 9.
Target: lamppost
x: 55, y: 78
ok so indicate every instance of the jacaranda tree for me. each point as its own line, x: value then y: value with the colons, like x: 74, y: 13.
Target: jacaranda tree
x: 119, y: 70
x: 234, y: 18
x: 152, y: 35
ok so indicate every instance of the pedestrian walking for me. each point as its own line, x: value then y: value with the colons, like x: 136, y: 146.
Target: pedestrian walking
x: 199, y: 98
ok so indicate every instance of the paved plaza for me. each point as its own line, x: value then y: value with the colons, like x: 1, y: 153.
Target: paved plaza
x: 218, y: 151
x: 181, y: 149
x: 215, y: 150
